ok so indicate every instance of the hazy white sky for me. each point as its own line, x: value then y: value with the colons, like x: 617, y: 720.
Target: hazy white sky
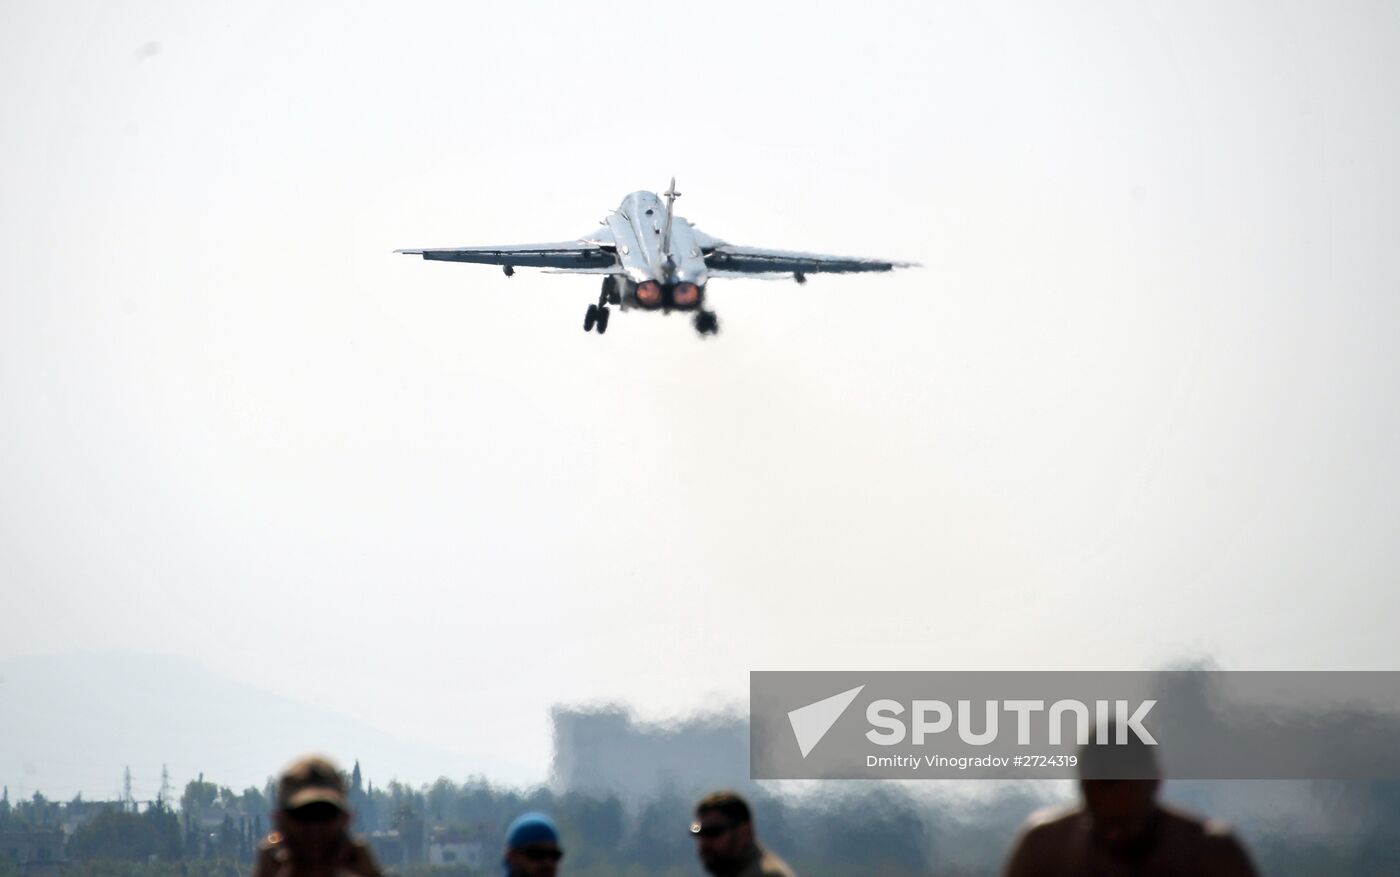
x: 1140, y: 405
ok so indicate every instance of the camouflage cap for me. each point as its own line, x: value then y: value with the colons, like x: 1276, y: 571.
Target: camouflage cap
x: 311, y: 780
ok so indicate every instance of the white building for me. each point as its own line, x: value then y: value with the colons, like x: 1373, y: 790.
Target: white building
x: 457, y: 852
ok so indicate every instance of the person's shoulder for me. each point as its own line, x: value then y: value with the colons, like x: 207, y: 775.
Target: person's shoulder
x: 1200, y: 828
x: 1217, y: 849
x: 771, y: 865
x: 1047, y: 836
x: 1049, y: 822
x: 360, y: 859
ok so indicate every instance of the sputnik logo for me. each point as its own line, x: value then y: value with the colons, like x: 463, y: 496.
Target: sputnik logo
x: 811, y: 722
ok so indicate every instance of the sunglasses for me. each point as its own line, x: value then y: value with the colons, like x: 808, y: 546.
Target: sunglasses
x: 714, y: 829
x: 542, y: 854
x: 309, y: 814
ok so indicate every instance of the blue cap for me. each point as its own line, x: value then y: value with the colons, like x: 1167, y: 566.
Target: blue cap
x: 531, y: 828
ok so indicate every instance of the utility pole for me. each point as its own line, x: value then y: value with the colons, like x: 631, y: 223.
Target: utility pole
x: 164, y: 797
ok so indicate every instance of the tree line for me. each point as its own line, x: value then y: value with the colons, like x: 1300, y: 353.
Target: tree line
x: 876, y: 828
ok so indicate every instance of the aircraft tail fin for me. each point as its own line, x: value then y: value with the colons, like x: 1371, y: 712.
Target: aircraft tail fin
x: 671, y: 196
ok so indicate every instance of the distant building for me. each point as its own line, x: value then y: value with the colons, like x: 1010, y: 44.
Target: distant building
x: 78, y: 812
x: 388, y: 848
x: 212, y: 816
x: 34, y: 850
x: 458, y: 852
x: 608, y: 752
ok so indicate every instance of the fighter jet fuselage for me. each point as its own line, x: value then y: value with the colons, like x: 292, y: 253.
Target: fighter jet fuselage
x: 663, y: 264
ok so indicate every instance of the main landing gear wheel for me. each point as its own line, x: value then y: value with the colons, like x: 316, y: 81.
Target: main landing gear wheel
x: 706, y: 322
x: 596, y: 318
x: 609, y: 295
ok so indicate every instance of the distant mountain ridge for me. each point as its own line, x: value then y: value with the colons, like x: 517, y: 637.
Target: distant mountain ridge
x: 73, y: 723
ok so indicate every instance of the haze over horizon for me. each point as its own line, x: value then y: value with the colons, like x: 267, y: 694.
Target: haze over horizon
x: 1138, y: 406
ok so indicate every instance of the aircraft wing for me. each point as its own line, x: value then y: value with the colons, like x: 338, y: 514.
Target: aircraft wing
x: 565, y: 256
x: 733, y: 260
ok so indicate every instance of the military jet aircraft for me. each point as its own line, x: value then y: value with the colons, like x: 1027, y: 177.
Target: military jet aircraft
x: 653, y: 260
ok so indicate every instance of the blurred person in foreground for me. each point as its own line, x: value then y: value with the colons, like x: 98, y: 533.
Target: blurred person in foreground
x: 311, y: 822
x: 532, y: 847
x: 1121, y: 828
x: 725, y: 842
